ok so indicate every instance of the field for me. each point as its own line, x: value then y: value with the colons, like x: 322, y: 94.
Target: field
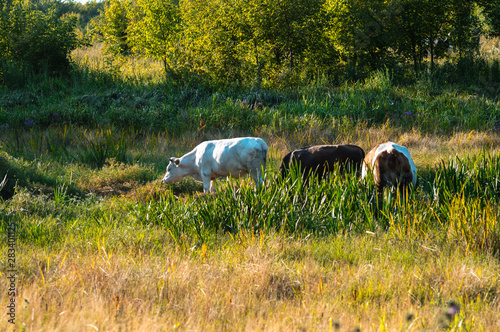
x: 102, y: 244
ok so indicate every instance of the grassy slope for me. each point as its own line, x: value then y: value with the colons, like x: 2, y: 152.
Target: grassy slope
x: 112, y: 248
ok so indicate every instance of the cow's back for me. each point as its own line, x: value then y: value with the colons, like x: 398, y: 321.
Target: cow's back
x: 323, y: 158
x: 388, y: 147
x: 241, y: 150
x: 232, y: 156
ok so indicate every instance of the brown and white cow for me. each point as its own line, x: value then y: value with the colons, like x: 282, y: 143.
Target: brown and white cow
x: 391, y: 165
x: 321, y: 159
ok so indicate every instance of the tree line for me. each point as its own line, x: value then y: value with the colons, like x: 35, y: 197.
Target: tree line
x: 254, y: 41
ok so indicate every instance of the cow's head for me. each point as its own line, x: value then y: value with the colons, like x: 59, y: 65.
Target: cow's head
x: 400, y: 167
x: 174, y: 171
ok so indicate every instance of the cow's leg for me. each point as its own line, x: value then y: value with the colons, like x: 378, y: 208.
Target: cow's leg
x: 207, y: 183
x: 255, y: 177
x: 256, y: 174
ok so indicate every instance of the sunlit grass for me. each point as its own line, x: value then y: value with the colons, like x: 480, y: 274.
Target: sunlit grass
x: 129, y: 252
x: 255, y: 281
x: 102, y: 244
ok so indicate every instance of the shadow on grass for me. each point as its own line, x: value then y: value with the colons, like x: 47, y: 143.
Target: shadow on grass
x: 18, y: 175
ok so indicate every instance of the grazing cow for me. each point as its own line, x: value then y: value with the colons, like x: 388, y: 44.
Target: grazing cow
x: 391, y: 164
x: 210, y: 160
x: 321, y: 159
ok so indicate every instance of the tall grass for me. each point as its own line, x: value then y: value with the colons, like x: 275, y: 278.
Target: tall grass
x: 323, y: 254
x: 461, y: 208
x: 103, y: 244
x: 129, y: 95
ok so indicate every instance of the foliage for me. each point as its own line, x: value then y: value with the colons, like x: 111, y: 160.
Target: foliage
x: 85, y: 12
x: 281, y: 43
x: 423, y: 24
x: 213, y: 43
x: 365, y: 32
x: 111, y: 27
x: 99, y: 147
x: 492, y: 11
x: 35, y: 41
x: 278, y: 43
x: 153, y: 30
x: 467, y: 27
x: 289, y: 28
x: 454, y: 98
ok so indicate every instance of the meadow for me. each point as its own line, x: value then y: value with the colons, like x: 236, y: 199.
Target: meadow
x: 102, y: 244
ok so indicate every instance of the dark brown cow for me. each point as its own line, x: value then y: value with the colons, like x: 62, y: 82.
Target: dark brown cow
x: 321, y: 159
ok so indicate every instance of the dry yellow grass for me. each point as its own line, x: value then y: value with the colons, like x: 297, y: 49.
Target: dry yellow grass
x: 264, y: 283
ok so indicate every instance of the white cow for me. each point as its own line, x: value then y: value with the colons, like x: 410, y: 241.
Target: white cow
x: 210, y: 160
x: 391, y: 164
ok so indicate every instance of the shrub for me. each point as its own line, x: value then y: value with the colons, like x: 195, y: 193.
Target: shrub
x: 32, y: 41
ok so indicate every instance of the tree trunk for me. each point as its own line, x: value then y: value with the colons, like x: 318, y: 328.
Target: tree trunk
x: 415, y: 56
x: 165, y: 67
x: 257, y: 61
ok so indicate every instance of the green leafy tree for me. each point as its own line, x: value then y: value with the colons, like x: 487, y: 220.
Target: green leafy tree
x: 34, y: 40
x: 84, y: 11
x: 4, y: 29
x: 466, y: 27
x: 289, y: 27
x: 420, y: 24
x: 154, y: 30
x: 491, y: 9
x: 111, y: 27
x: 241, y: 40
x: 365, y: 33
x: 214, y: 38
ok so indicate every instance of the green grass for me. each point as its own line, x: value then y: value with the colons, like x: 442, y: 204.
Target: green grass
x: 315, y: 254
x: 96, y: 95
x: 319, y: 254
x: 103, y: 244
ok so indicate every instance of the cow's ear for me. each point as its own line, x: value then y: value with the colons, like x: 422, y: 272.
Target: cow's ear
x: 175, y: 161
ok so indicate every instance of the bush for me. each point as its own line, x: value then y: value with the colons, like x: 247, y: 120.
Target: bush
x: 32, y: 41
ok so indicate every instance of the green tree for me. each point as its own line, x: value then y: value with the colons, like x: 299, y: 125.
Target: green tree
x: 4, y: 29
x: 237, y: 40
x: 491, y: 9
x: 84, y: 11
x: 154, y: 30
x: 420, y: 24
x: 466, y: 27
x: 111, y: 27
x: 365, y: 32
x: 216, y: 37
x: 289, y: 27
x: 34, y: 40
